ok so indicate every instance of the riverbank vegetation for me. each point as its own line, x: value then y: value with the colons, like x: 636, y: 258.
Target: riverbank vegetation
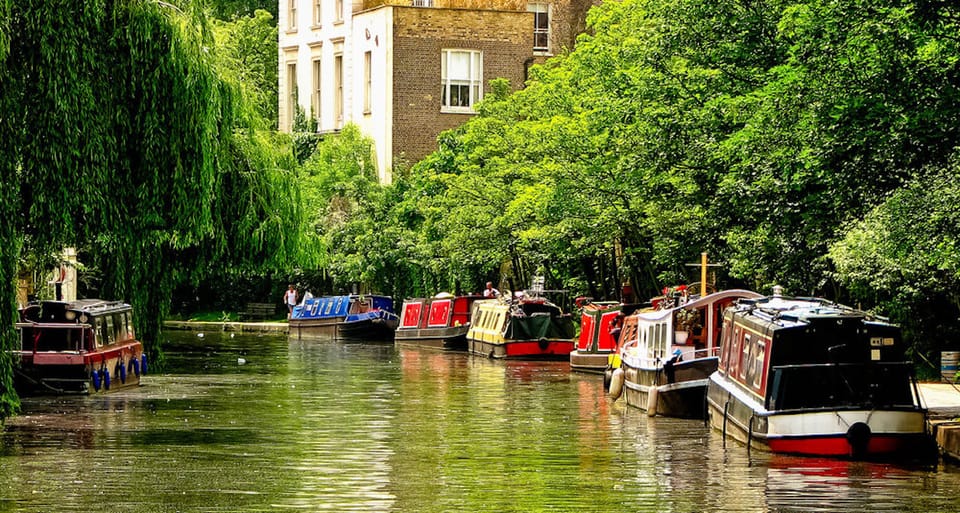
x: 809, y: 144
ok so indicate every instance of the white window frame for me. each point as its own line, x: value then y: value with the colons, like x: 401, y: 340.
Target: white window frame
x: 316, y: 76
x: 291, y: 15
x: 291, y: 94
x: 367, y: 81
x: 317, y: 13
x: 473, y: 84
x: 338, y: 7
x: 338, y: 99
x: 541, y: 9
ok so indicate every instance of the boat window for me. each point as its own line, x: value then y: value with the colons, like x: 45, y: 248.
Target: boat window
x: 330, y: 306
x: 758, y: 364
x: 98, y: 330
x: 744, y: 355
x: 110, y: 336
x: 725, y: 343
x: 120, y: 329
x: 657, y: 341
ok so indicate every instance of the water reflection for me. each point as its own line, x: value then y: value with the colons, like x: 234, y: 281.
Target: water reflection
x: 261, y: 423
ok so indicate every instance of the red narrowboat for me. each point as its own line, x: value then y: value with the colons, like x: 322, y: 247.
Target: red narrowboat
x: 77, y: 347
x: 811, y: 377
x: 440, y: 322
x: 668, y: 352
x: 600, y: 325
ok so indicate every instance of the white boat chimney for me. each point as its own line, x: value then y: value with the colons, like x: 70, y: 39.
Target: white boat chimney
x: 777, y: 291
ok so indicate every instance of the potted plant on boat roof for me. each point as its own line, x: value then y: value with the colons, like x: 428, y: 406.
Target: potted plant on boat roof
x: 686, y: 321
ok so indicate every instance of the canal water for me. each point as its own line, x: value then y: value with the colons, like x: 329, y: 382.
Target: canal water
x: 263, y: 423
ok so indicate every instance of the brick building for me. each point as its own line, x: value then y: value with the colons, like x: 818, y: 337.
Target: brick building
x: 405, y: 70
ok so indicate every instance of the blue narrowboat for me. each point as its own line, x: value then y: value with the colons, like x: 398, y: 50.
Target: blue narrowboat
x: 358, y: 317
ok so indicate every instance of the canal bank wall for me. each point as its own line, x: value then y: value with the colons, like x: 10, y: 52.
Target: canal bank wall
x: 942, y: 399
x: 252, y: 327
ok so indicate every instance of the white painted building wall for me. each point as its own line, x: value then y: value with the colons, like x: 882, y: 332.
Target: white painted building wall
x: 302, y: 43
x: 373, y: 32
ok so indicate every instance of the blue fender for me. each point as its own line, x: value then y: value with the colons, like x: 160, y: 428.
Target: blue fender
x: 106, y: 379
x: 143, y: 364
x: 121, y: 371
x: 95, y: 376
x: 135, y: 366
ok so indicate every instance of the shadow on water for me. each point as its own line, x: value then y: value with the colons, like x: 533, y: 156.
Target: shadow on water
x: 263, y: 423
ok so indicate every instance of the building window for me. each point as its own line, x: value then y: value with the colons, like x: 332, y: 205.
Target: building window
x: 315, y: 96
x: 541, y: 26
x: 291, y: 14
x: 460, y: 74
x: 422, y: 3
x: 317, y: 12
x: 291, y: 95
x: 338, y: 89
x: 367, y: 80
x: 338, y: 7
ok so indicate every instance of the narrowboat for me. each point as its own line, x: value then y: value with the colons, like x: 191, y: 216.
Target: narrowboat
x: 600, y: 327
x: 528, y: 327
x: 440, y: 322
x: 85, y: 346
x: 807, y: 376
x: 669, y: 351
x: 353, y: 317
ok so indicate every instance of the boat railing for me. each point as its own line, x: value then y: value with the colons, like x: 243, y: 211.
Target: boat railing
x: 50, y: 333
x: 696, y: 353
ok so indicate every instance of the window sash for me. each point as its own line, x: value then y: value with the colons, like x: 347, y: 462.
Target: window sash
x: 316, y: 89
x: 541, y: 26
x: 461, y: 77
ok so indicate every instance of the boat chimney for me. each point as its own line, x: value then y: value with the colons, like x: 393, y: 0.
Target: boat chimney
x: 777, y: 291
x: 703, y: 274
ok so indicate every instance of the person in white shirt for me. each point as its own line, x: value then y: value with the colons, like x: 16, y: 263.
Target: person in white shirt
x: 290, y: 299
x: 490, y: 291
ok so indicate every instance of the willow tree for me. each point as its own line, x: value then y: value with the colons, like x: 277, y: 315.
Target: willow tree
x: 120, y: 136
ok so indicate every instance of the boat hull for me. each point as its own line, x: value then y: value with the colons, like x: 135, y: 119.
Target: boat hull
x: 314, y: 328
x: 589, y: 361
x: 545, y: 349
x: 678, y: 393
x: 864, y: 433
x: 374, y: 329
x: 450, y: 338
x: 107, y: 370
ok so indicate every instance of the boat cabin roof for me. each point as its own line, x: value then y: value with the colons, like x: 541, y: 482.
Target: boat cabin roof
x: 659, y: 315
x: 74, y: 312
x: 786, y: 312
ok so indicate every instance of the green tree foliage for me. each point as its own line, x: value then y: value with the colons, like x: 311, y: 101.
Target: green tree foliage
x: 904, y: 256
x: 248, y: 47
x: 229, y: 9
x: 123, y: 138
